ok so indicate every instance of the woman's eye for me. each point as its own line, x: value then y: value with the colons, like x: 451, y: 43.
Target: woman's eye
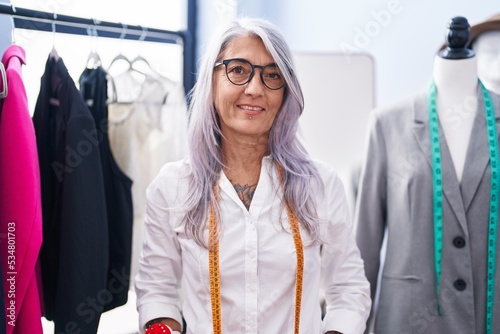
x: 238, y: 70
x: 274, y: 76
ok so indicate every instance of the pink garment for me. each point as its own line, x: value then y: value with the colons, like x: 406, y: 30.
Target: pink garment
x: 20, y: 203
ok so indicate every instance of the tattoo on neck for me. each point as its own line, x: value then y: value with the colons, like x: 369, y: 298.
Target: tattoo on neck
x: 245, y: 192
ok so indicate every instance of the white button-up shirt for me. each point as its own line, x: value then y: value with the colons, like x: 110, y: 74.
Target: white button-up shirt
x: 257, y: 261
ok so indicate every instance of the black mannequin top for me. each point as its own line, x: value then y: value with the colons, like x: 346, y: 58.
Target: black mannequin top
x: 455, y: 75
x: 457, y: 38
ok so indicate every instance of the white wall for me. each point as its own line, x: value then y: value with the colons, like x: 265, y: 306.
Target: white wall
x: 403, y: 44
x: 5, y: 25
x: 338, y: 96
x: 211, y: 14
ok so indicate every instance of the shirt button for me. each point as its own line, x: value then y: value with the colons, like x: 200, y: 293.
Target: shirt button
x: 459, y: 242
x: 460, y: 284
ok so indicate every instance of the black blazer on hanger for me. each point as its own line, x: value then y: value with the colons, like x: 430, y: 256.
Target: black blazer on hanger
x: 74, y: 254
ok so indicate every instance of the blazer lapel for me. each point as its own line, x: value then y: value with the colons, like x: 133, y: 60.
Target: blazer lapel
x: 478, y: 156
x: 451, y: 187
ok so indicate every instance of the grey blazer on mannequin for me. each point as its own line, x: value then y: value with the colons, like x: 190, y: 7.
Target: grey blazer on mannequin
x: 395, y: 193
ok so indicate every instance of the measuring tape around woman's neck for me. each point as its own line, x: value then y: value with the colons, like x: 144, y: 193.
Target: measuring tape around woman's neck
x: 437, y: 179
x: 214, y: 269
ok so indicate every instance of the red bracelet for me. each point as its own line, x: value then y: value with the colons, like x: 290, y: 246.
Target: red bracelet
x: 158, y: 328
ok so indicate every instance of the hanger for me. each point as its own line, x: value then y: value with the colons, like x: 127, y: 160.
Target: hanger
x: 94, y: 60
x: 121, y: 56
x: 129, y: 70
x: 12, y: 33
x: 5, y: 89
x: 53, y: 53
x: 53, y: 100
x: 139, y: 58
x: 151, y: 72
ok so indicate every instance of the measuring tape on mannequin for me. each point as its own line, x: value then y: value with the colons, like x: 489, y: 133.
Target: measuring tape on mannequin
x: 437, y: 179
x: 214, y: 269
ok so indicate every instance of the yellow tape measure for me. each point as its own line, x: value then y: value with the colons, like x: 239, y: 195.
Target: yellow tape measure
x: 294, y: 225
x: 213, y: 265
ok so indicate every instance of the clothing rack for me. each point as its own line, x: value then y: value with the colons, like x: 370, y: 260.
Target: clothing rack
x: 30, y: 19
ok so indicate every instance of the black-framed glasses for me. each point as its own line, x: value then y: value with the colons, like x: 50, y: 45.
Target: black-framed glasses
x: 240, y: 71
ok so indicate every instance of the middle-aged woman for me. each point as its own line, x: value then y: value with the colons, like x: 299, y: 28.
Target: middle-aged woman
x: 250, y: 227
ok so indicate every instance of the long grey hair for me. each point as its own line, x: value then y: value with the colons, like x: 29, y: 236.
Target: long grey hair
x: 284, y: 147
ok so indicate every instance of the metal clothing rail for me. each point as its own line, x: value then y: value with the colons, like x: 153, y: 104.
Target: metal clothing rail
x: 43, y: 21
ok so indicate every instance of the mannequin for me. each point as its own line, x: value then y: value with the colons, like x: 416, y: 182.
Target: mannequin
x: 485, y: 41
x: 455, y: 75
x: 432, y: 276
x: 487, y: 48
